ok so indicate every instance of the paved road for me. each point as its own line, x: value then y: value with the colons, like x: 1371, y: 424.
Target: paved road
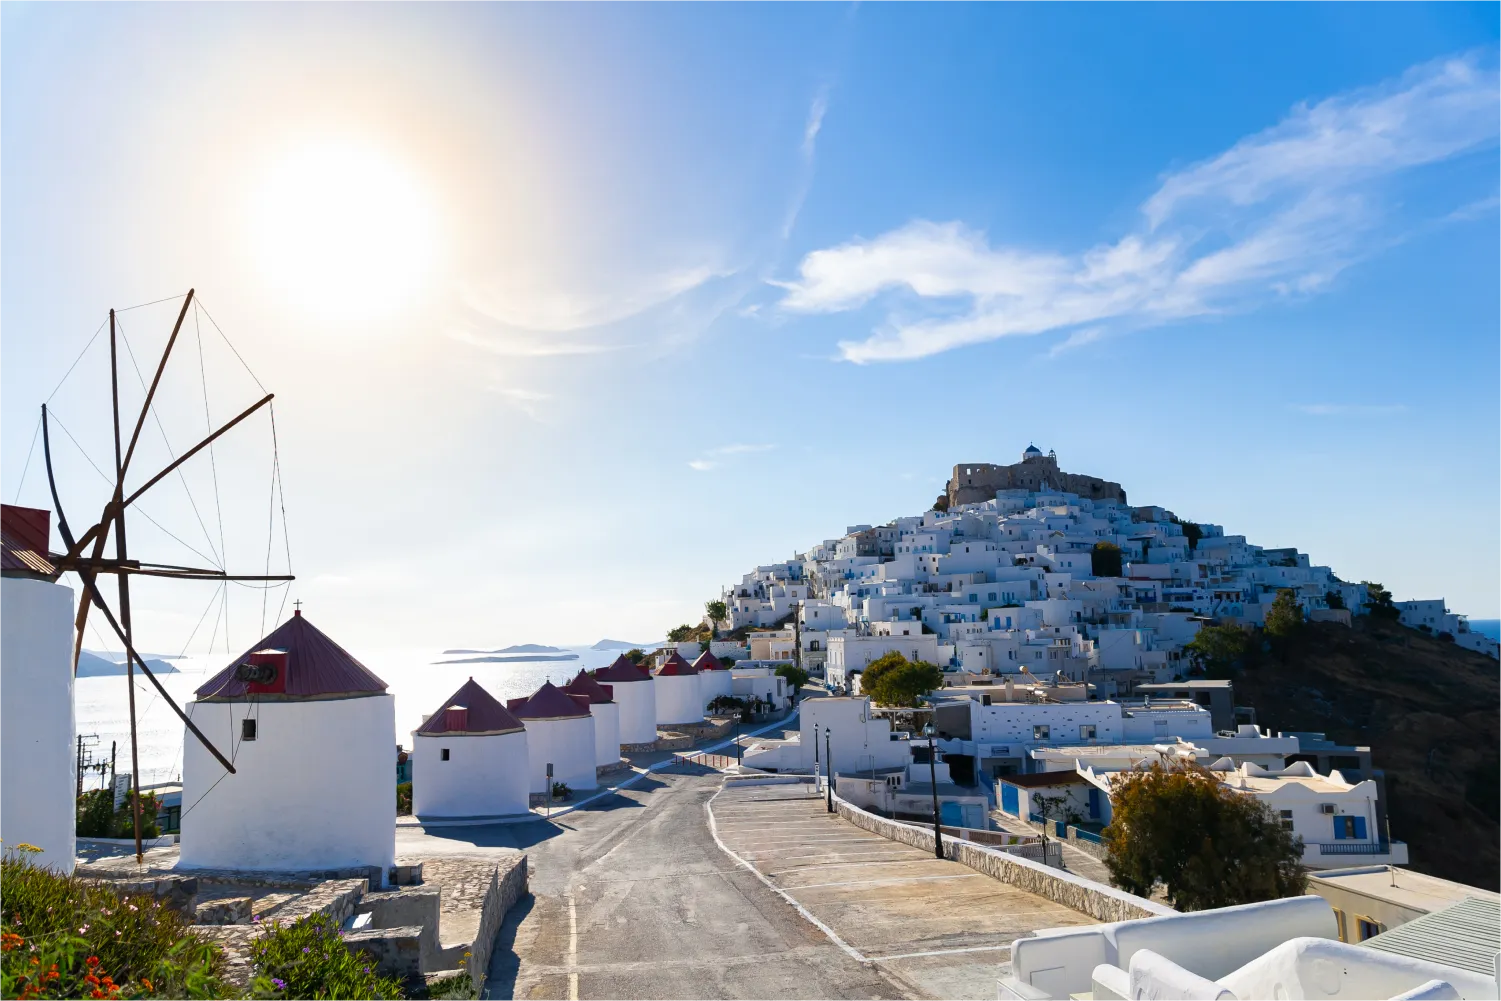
x: 631, y: 898
x: 932, y: 923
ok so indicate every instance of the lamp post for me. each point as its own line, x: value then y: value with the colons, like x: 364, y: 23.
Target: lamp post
x: 932, y: 734
x: 817, y: 771
x: 828, y: 766
x: 738, y: 717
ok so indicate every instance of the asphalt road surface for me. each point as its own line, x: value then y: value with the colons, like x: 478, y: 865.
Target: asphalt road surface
x: 632, y: 898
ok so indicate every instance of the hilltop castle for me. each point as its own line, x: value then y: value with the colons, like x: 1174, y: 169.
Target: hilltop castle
x: 973, y: 483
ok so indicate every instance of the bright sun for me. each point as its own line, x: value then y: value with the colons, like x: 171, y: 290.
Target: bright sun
x: 344, y: 231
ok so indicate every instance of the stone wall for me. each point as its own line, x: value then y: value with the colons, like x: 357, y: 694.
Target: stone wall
x: 977, y: 482
x: 507, y: 886
x: 1101, y: 902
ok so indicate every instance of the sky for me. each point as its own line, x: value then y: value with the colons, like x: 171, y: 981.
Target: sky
x: 573, y: 314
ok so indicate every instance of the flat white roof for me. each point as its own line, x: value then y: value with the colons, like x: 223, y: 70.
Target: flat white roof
x: 1401, y: 886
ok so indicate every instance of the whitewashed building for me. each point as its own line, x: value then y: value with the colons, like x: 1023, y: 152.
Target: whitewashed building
x: 636, y: 694
x: 312, y: 735
x: 714, y: 678
x: 678, y: 692
x: 469, y: 759
x: 843, y: 728
x: 606, y: 717
x: 559, y: 732
x: 37, y: 756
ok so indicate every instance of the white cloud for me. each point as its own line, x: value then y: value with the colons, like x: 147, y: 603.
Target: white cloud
x: 1350, y: 409
x: 1281, y: 213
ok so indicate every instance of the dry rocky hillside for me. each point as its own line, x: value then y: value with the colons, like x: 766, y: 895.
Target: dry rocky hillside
x: 1428, y: 710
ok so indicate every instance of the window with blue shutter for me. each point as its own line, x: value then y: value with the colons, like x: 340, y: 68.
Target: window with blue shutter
x: 1360, y: 828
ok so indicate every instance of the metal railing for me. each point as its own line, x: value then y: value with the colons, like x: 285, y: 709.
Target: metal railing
x: 1355, y: 847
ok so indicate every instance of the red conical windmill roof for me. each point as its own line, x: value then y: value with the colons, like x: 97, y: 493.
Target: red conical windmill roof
x: 550, y: 702
x: 317, y: 667
x: 585, y: 685
x: 676, y: 666
x: 486, y: 714
x: 708, y: 662
x: 622, y: 671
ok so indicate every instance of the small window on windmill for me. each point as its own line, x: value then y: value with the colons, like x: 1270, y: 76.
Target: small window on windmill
x: 248, y: 728
x: 443, y: 754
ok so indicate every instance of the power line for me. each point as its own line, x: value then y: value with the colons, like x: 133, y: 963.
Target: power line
x: 27, y: 467
x: 218, y: 562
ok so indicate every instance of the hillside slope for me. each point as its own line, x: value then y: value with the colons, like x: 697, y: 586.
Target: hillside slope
x: 1429, y: 712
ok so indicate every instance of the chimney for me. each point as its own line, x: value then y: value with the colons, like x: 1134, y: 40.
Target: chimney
x: 456, y: 718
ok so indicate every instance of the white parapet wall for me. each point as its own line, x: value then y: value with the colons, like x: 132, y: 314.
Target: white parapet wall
x: 37, y: 758
x: 315, y: 789
x: 484, y: 775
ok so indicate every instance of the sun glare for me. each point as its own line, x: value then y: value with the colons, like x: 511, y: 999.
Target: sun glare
x: 344, y: 231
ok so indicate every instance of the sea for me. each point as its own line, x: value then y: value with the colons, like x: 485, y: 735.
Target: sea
x: 414, y: 677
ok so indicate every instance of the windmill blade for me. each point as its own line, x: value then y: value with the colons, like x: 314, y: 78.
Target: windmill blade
x: 155, y: 381
x: 196, y: 448
x: 93, y: 594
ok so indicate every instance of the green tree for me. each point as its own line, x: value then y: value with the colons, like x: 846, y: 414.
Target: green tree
x: 680, y: 634
x: 716, y: 612
x: 941, y: 505
x: 1285, y: 617
x: 904, y: 684
x: 635, y: 655
x: 1209, y: 845
x: 1379, y: 602
x: 1219, y: 648
x: 878, y: 667
x: 796, y: 677
x: 1191, y: 531
x: 1105, y: 559
x: 1334, y: 599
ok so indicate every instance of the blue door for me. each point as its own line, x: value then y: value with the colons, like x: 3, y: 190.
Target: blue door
x: 1094, y: 804
x: 1008, y: 798
x: 950, y: 814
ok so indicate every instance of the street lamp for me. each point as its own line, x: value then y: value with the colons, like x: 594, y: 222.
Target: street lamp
x: 828, y: 766
x: 931, y: 732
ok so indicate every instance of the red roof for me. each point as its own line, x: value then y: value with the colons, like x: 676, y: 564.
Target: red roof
x: 316, y: 666
x: 622, y: 671
x: 24, y: 536
x: 585, y: 685
x: 676, y: 666
x: 550, y: 702
x: 708, y: 662
x: 486, y: 714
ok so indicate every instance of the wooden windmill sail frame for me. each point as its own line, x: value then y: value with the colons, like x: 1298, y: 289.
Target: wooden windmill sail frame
x: 89, y: 568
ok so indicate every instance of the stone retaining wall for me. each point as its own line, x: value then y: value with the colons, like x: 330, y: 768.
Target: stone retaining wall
x: 1101, y: 902
x: 508, y: 884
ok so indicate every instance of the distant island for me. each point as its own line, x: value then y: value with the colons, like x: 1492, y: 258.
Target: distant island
x: 518, y: 648
x: 91, y: 665
x: 500, y: 658
x: 620, y: 645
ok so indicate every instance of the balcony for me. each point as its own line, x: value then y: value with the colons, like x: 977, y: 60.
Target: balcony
x: 1347, y: 853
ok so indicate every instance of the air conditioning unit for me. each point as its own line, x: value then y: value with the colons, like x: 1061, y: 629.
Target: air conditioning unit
x: 1326, y: 807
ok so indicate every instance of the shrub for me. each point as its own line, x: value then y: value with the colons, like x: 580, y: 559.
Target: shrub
x: 308, y: 959
x: 560, y: 790
x: 98, y: 817
x: 796, y: 677
x: 1105, y: 559
x: 67, y: 937
x: 404, y: 798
